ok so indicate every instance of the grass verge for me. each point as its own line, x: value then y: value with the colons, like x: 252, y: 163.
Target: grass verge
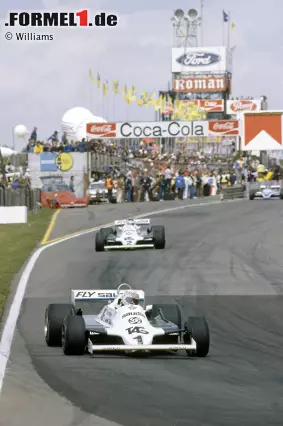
x: 16, y: 243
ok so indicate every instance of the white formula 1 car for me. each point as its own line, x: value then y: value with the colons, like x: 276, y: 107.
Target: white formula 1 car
x: 123, y: 324
x: 266, y: 190
x: 130, y: 234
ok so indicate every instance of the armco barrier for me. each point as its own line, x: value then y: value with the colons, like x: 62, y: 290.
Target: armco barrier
x: 20, y: 197
x: 234, y: 192
x: 10, y: 215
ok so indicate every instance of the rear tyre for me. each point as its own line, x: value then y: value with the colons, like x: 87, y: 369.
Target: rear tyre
x: 197, y: 328
x: 54, y: 320
x: 252, y: 195
x: 99, y: 241
x: 159, y: 237
x: 74, y: 335
x: 281, y: 195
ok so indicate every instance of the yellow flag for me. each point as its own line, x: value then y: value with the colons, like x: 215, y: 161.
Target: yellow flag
x: 98, y: 80
x: 105, y: 88
x: 233, y: 25
x: 125, y: 91
x: 92, y: 79
x: 115, y: 87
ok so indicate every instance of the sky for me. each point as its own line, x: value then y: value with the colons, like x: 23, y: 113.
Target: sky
x: 41, y: 80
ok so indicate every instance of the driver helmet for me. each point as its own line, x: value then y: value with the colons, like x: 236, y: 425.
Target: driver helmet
x: 130, y: 298
x: 131, y: 220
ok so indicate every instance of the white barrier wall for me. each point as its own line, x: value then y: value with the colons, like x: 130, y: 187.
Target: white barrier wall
x: 13, y: 215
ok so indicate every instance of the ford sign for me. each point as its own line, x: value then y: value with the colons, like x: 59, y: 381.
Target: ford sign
x: 198, y: 59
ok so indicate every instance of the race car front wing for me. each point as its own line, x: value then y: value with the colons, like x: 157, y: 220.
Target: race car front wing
x: 113, y: 348
x: 128, y: 247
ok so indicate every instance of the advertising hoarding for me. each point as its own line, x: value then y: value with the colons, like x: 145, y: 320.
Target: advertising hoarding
x: 200, y: 84
x: 211, y: 105
x: 235, y: 106
x: 158, y: 129
x: 199, y: 59
x: 262, y: 131
x: 162, y: 129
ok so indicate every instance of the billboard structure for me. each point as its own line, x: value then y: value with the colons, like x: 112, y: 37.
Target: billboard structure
x: 162, y: 129
x: 236, y: 106
x: 200, y: 84
x: 201, y: 60
x: 262, y: 131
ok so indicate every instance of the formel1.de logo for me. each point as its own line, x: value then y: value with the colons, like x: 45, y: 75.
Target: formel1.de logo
x: 82, y: 18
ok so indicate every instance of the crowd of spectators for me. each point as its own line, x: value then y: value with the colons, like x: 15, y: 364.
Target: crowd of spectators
x: 144, y: 185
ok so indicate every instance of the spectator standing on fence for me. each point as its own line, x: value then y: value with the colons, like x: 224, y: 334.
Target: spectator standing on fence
x: 198, y: 185
x: 72, y: 184
x: 120, y: 189
x: 129, y: 187
x: 38, y: 148
x: 109, y: 185
x: 180, y: 185
x: 33, y: 135
x: 187, y: 181
x: 168, y: 178
x: 161, y: 187
x: 145, y: 183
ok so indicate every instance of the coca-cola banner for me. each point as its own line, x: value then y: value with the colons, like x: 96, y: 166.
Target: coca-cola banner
x: 243, y: 105
x: 200, y: 59
x: 223, y: 127
x: 162, y: 129
x: 141, y: 130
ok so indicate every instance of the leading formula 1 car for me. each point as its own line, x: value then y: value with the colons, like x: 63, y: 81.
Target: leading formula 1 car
x: 123, y: 324
x: 130, y: 234
x: 266, y: 190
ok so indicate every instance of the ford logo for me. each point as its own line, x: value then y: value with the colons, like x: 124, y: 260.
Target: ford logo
x: 198, y: 59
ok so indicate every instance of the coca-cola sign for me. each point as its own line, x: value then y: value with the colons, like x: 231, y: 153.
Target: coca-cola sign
x: 198, y: 59
x: 224, y: 127
x: 101, y: 130
x: 201, y: 59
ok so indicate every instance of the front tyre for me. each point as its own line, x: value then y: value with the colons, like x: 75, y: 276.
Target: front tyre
x: 159, y: 237
x: 197, y: 328
x: 54, y: 320
x: 99, y: 241
x: 74, y: 335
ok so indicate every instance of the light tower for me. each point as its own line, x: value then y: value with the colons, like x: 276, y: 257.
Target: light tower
x: 185, y: 28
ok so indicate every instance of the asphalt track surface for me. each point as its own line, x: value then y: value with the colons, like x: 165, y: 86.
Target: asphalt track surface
x: 222, y: 260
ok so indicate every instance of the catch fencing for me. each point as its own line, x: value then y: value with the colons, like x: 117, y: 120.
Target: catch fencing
x: 30, y: 198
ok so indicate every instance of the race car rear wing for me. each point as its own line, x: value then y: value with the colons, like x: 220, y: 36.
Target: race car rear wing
x: 100, y: 295
x: 136, y: 222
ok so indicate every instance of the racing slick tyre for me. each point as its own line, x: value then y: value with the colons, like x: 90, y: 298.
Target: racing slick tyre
x: 99, y: 241
x: 281, y: 195
x: 158, y: 237
x: 74, y: 335
x: 197, y: 328
x: 252, y: 195
x: 54, y: 320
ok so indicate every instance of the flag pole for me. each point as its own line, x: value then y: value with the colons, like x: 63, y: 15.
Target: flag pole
x: 223, y: 34
x: 229, y: 29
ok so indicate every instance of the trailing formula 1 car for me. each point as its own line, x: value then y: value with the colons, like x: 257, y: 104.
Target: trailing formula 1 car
x: 266, y: 190
x: 124, y: 324
x: 130, y: 234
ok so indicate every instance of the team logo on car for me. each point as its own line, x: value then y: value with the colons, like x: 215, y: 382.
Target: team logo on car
x: 135, y: 320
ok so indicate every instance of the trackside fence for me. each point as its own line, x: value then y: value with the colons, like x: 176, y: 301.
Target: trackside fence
x: 20, y: 197
x: 234, y: 192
